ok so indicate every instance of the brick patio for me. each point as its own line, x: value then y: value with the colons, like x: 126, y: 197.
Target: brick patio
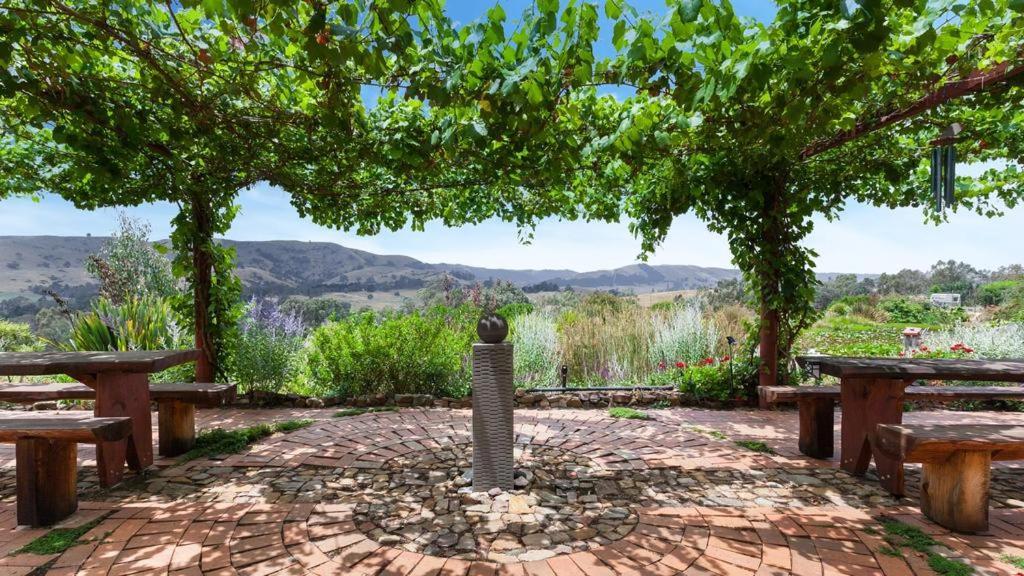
x: 154, y: 526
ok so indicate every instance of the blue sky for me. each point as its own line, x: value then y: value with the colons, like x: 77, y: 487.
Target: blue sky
x: 866, y: 239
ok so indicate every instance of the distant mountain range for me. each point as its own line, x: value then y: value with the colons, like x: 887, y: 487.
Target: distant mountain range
x: 30, y: 264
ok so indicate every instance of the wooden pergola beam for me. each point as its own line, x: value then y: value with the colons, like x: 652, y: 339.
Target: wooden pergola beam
x: 977, y: 81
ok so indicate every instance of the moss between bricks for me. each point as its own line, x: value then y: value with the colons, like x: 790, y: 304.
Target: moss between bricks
x: 755, y: 445
x: 219, y: 441
x: 627, y: 413
x: 58, y: 540
x: 900, y: 535
x: 1015, y: 561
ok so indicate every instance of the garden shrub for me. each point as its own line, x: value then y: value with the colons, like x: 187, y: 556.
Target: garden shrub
x: 17, y: 337
x: 839, y: 309
x: 709, y: 379
x: 417, y: 353
x: 514, y: 310
x: 903, y: 310
x: 315, y: 311
x: 267, y: 347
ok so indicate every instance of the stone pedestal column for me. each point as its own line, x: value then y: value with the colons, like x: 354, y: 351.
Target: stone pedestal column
x: 492, y: 416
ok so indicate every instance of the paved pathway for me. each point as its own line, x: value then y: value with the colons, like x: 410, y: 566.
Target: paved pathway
x: 309, y: 502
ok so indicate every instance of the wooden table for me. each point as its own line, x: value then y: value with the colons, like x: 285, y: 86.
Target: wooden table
x: 121, y: 381
x: 872, y: 391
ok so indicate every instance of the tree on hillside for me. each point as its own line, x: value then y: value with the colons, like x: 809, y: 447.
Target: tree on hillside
x: 950, y: 276
x: 129, y: 267
x: 906, y: 281
x: 756, y: 128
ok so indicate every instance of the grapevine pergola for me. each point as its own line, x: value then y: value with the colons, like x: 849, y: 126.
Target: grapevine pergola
x: 754, y: 127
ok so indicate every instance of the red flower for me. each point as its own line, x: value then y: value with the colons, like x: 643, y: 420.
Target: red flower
x: 680, y: 364
x: 661, y: 365
x: 902, y: 354
x: 924, y: 348
x: 726, y: 358
x: 707, y: 361
x: 967, y: 350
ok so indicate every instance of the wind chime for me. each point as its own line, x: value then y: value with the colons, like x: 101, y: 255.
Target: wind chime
x: 944, y: 168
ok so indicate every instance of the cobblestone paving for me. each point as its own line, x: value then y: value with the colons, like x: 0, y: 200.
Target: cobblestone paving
x: 388, y: 494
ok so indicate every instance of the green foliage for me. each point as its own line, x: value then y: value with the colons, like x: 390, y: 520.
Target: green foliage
x: 1000, y: 292
x: 316, y: 311
x: 747, y: 124
x: 491, y: 296
x: 267, y: 347
x: 146, y: 323
x: 52, y: 325
x: 905, y: 311
x: 840, y: 287
x: 900, y: 535
x: 946, y: 567
x: 715, y: 382
x: 58, y: 540
x: 755, y: 446
x: 727, y: 293
x: 1016, y: 561
x: 536, y: 342
x: 129, y: 267
x: 709, y: 379
x: 851, y: 336
x: 16, y: 337
x: 218, y: 441
x: 627, y: 413
x: 514, y: 310
x: 422, y: 352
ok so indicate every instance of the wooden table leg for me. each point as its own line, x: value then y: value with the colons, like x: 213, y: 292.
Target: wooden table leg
x: 124, y: 394
x: 866, y: 404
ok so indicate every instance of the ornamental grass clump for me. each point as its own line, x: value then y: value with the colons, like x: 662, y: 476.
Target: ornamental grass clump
x: 604, y: 340
x: 683, y: 335
x: 535, y: 337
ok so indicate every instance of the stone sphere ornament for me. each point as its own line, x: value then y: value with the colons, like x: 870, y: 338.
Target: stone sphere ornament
x: 492, y: 328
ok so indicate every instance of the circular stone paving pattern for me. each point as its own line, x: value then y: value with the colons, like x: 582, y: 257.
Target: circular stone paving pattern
x: 563, y: 503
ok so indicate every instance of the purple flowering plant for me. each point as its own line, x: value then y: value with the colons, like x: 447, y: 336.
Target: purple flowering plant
x: 270, y: 341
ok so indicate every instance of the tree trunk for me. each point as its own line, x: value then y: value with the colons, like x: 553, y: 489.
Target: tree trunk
x: 769, y: 373
x: 202, y: 261
x: 771, y: 252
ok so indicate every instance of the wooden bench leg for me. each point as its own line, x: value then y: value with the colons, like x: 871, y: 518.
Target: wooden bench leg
x: 816, y: 427
x: 47, y: 477
x: 954, y: 492
x: 177, y: 423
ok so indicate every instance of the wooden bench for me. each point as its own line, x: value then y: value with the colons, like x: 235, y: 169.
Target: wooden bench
x: 817, y: 407
x: 957, y: 466
x: 47, y: 461
x: 176, y: 405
